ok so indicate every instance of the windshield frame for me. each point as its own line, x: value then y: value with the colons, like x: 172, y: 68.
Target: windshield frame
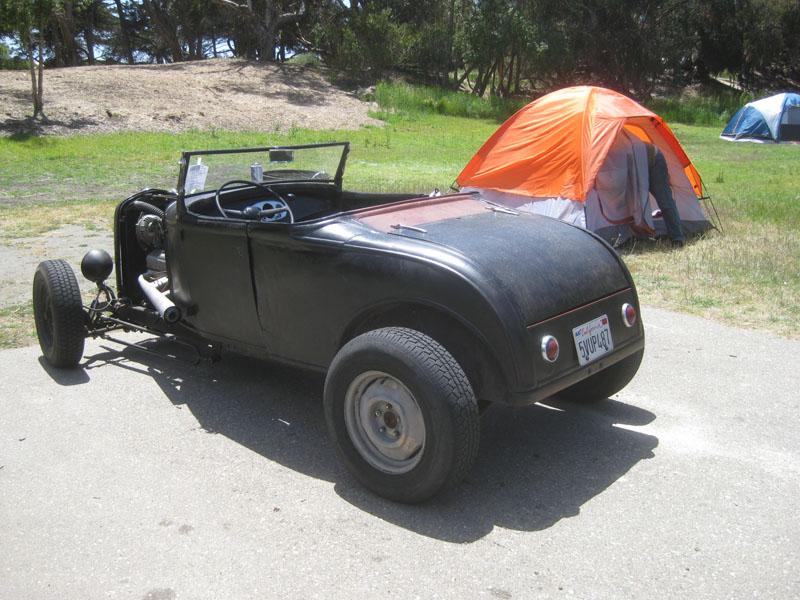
x: 187, y: 156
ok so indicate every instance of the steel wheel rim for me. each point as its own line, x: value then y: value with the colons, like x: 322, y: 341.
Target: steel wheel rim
x: 384, y: 422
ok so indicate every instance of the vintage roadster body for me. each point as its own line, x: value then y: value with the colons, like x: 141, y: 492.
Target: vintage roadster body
x: 422, y: 310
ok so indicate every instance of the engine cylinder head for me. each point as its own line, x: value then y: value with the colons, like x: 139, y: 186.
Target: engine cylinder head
x: 97, y: 265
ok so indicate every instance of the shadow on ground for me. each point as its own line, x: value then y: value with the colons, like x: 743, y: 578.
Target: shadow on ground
x: 22, y: 129
x: 296, y: 85
x: 537, y: 465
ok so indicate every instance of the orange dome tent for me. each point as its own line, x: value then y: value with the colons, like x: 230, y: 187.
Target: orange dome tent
x: 553, y: 149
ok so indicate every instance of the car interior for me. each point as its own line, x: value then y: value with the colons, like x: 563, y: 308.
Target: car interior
x: 306, y: 201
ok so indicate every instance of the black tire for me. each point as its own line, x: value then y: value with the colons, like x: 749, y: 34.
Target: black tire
x: 401, y: 414
x: 606, y: 383
x: 58, y: 312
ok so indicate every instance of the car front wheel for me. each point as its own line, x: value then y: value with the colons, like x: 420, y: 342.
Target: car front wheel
x: 58, y: 312
x: 401, y: 414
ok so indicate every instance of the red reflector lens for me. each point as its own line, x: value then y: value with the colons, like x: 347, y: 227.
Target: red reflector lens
x: 628, y: 315
x: 549, y: 348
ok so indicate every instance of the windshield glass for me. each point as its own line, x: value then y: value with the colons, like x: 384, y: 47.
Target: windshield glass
x: 207, y: 170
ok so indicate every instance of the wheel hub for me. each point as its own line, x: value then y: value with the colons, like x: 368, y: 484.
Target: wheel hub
x: 384, y: 422
x: 390, y: 420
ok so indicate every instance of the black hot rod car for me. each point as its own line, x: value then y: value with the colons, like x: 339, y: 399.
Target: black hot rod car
x: 422, y: 310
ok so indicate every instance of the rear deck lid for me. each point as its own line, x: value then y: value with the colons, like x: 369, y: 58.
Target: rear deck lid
x: 548, y: 267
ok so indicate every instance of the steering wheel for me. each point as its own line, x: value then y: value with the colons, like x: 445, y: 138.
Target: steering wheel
x: 252, y: 212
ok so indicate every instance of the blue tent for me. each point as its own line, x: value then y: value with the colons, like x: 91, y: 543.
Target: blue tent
x: 772, y: 119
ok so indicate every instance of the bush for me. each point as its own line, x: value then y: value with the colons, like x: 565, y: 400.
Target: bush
x: 306, y: 59
x: 407, y: 98
x: 699, y: 110
x: 404, y: 100
x: 11, y: 62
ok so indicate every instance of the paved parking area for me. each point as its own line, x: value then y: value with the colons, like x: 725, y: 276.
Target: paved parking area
x: 146, y: 478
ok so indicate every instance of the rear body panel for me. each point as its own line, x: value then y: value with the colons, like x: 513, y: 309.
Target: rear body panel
x: 294, y: 293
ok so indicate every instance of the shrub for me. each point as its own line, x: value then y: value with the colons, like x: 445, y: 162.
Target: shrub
x: 699, y: 110
x: 402, y: 97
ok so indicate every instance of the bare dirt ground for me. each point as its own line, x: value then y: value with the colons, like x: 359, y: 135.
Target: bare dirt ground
x: 229, y: 94
x: 18, y: 259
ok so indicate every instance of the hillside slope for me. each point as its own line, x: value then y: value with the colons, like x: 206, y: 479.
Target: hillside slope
x: 228, y: 94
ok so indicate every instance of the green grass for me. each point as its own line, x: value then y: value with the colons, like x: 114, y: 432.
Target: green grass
x: 398, y: 101
x: 754, y: 182
x: 415, y: 154
x: 404, y: 99
x: 747, y: 276
x: 700, y: 110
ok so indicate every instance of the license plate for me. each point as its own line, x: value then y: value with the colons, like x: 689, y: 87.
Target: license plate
x: 593, y: 339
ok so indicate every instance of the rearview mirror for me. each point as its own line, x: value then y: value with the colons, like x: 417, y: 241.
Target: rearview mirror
x: 281, y: 156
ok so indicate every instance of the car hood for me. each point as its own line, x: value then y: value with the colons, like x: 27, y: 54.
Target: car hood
x: 547, y: 266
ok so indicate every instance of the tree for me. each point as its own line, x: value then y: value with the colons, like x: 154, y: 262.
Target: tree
x: 367, y: 38
x: 27, y: 21
x: 756, y: 41
x: 490, y: 37
x: 125, y: 34
x: 621, y: 44
x: 266, y: 18
x: 167, y: 31
x: 771, y: 45
x: 64, y: 34
x: 95, y: 24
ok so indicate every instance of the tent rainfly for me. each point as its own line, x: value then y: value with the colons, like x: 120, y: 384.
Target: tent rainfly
x: 772, y: 119
x: 578, y: 154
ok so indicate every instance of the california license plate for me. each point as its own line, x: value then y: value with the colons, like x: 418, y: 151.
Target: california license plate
x: 593, y: 339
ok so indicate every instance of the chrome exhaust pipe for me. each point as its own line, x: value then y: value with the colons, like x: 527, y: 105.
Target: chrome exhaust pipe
x: 165, y: 307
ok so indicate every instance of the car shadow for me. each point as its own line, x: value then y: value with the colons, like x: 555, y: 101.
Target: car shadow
x: 536, y: 466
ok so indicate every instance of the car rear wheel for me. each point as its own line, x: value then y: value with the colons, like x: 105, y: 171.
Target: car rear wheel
x: 401, y: 414
x: 58, y: 312
x: 606, y: 383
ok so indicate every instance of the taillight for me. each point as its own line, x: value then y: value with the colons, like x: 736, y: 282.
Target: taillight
x: 628, y: 315
x: 549, y: 348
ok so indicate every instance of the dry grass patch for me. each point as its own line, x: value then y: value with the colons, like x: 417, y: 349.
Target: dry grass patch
x: 17, y: 327
x: 27, y: 221
x: 747, y: 277
x: 30, y: 233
